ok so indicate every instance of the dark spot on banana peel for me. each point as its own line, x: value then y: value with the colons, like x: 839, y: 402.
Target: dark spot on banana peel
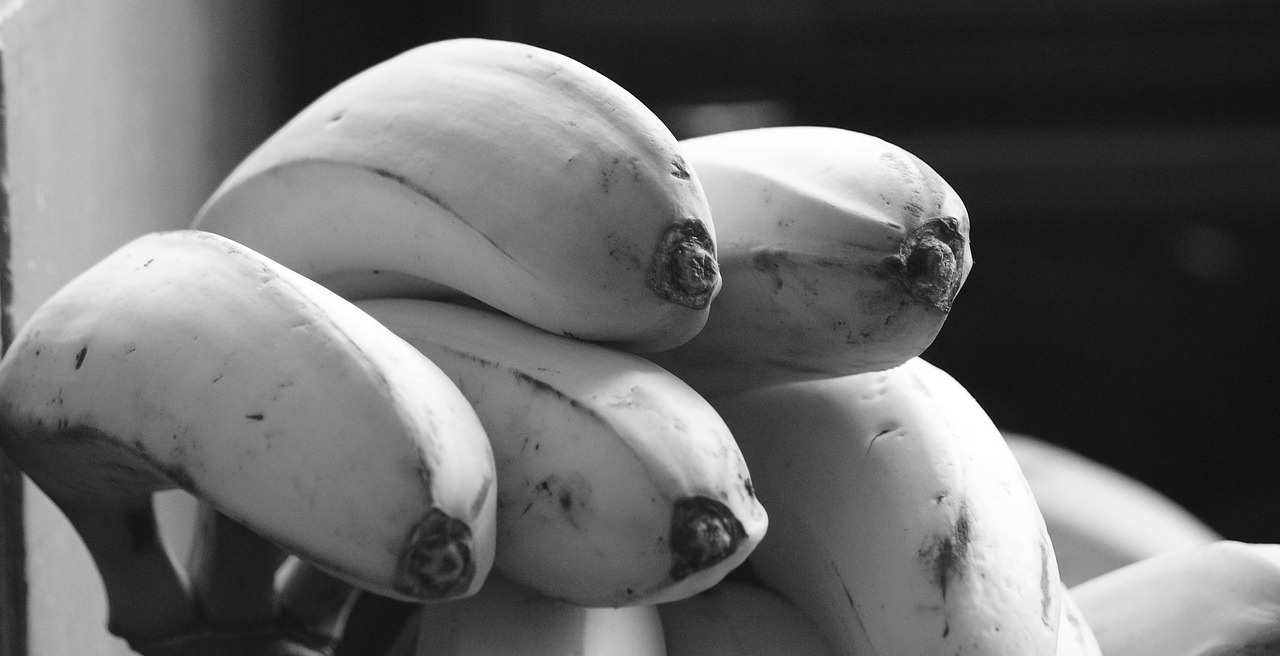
x: 930, y: 262
x: 437, y: 561
x: 946, y: 555
x: 770, y: 261
x: 684, y: 269
x: 1046, y: 583
x: 679, y: 169
x: 477, y: 504
x: 703, y: 532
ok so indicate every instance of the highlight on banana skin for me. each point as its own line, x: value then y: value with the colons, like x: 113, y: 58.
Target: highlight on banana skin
x: 646, y: 397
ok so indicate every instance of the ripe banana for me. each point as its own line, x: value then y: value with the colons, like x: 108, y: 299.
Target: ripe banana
x: 1099, y: 518
x: 505, y: 618
x: 841, y: 253
x: 899, y: 520
x: 1218, y: 599
x: 617, y: 483
x: 186, y: 360
x: 734, y: 618
x: 509, y: 173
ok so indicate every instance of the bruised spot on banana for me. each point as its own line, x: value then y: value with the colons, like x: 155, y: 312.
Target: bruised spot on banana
x: 944, y: 555
x: 617, y: 483
x: 185, y: 360
x: 489, y: 169
x: 840, y: 254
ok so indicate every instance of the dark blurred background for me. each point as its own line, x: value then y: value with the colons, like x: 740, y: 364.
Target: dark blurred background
x: 1120, y: 162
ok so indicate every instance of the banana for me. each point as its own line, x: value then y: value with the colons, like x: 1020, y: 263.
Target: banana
x: 1099, y: 518
x: 184, y: 359
x: 841, y: 253
x: 505, y: 172
x: 1217, y: 599
x: 505, y: 618
x: 735, y: 618
x: 617, y: 483
x: 899, y: 520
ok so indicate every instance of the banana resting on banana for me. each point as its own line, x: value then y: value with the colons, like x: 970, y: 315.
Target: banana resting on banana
x: 476, y: 332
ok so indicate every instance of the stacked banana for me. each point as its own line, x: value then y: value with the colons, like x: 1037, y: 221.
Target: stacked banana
x: 475, y: 331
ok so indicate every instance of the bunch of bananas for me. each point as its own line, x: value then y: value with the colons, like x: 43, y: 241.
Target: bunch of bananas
x: 475, y: 331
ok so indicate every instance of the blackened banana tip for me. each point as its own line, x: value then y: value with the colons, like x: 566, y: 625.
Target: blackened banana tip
x: 684, y: 268
x: 930, y: 262
x: 437, y: 559
x: 704, y: 532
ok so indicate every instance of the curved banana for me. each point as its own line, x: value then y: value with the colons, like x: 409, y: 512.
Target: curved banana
x: 186, y: 360
x: 505, y: 618
x: 899, y: 521
x: 841, y: 253
x: 509, y: 173
x: 735, y: 618
x: 617, y: 483
x: 1099, y: 518
x: 1218, y: 599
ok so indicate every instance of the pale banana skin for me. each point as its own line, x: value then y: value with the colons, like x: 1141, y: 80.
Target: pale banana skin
x: 1218, y: 599
x: 736, y: 618
x: 617, y: 483
x: 186, y: 360
x: 497, y: 170
x: 841, y: 253
x: 506, y: 618
x: 900, y: 521
x: 1098, y: 518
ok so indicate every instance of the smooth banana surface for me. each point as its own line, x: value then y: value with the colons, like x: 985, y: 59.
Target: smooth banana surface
x: 186, y: 360
x: 1098, y: 518
x: 617, y: 483
x: 505, y: 618
x: 841, y: 253
x: 509, y: 173
x: 1219, y: 599
x: 899, y: 520
x: 735, y: 618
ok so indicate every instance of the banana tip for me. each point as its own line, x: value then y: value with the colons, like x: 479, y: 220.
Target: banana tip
x: 437, y: 561
x: 684, y: 269
x: 930, y: 262
x: 704, y: 532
